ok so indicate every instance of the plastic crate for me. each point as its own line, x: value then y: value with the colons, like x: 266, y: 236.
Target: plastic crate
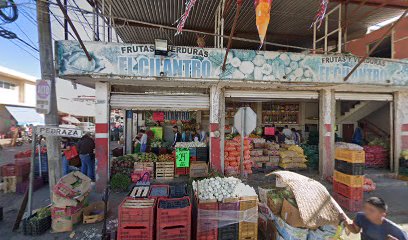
x: 173, y: 211
x: 403, y: 171
x: 347, y: 203
x: 174, y: 233
x: 15, y: 169
x: 349, y: 192
x: 206, y: 228
x: 349, y: 180
x: 135, y: 233
x: 157, y: 191
x: 23, y: 186
x: 178, y: 190
x: 136, y: 212
x: 193, y: 152
x: 248, y: 230
x: 228, y: 229
x: 349, y: 168
x: 202, y: 154
x: 181, y: 171
x: 352, y: 156
x: 35, y: 228
x: 164, y: 170
x: 403, y: 163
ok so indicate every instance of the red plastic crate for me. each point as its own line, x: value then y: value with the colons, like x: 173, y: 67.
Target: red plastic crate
x: 173, y: 216
x: 135, y: 233
x: 136, y: 212
x: 174, y: 233
x: 15, y: 169
x: 347, y: 203
x: 207, y: 229
x: 181, y: 171
x: 349, y: 192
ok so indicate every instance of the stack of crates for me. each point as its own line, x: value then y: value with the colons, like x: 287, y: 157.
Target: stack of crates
x: 227, y: 220
x: 348, y: 178
x: 136, y: 219
x: 173, y: 219
x: 14, y: 173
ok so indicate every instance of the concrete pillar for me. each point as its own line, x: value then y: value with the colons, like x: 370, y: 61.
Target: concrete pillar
x: 400, y: 126
x: 259, y: 114
x: 216, y: 96
x: 327, y: 105
x: 128, y: 131
x: 102, y: 90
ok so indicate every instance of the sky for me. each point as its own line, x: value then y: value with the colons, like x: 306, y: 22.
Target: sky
x: 13, y: 53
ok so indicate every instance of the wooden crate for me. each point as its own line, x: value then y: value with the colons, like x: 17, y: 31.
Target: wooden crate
x: 164, y: 170
x: 198, y: 169
x: 10, y: 184
x: 249, y: 230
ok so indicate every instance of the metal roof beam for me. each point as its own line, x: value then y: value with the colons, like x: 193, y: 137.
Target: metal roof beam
x: 402, y: 6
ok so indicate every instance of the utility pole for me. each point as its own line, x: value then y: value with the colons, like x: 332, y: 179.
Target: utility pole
x: 48, y: 73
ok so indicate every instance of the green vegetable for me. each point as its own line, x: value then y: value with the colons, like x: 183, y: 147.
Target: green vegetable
x: 120, y: 182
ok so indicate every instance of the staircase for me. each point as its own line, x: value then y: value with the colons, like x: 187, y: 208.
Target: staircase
x: 370, y: 127
x: 360, y: 111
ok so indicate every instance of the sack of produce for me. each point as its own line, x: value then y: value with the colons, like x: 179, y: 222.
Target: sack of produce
x: 287, y: 154
x: 296, y: 149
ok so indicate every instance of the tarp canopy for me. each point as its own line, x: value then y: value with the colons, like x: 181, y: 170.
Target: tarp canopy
x: 25, y: 115
x: 317, y: 208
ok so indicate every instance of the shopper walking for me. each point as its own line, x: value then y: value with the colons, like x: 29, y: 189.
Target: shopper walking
x: 86, y: 147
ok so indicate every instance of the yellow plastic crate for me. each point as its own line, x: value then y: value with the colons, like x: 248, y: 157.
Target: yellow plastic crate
x: 248, y: 230
x: 352, y: 156
x: 349, y: 180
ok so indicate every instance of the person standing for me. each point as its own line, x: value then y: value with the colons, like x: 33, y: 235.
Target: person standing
x: 287, y: 132
x: 358, y: 135
x: 177, y: 136
x: 143, y: 141
x: 86, y: 147
x: 280, y: 137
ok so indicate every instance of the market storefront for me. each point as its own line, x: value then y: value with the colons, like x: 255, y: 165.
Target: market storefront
x: 131, y: 77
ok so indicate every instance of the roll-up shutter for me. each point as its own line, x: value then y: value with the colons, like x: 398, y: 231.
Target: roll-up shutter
x: 160, y: 102
x: 272, y: 94
x: 364, y: 96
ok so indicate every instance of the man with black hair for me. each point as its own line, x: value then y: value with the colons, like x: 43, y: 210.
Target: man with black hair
x: 177, y: 136
x: 372, y: 222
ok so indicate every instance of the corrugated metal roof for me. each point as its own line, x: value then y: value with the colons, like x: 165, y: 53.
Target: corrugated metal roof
x: 290, y: 20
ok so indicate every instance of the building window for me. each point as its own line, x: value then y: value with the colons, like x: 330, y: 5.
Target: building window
x: 383, y: 50
x: 7, y: 85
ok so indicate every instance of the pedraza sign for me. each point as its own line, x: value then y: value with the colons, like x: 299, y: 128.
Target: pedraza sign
x: 134, y: 60
x: 58, y: 132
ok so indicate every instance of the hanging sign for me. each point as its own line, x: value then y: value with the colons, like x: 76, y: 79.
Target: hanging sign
x: 43, y: 92
x: 269, y: 131
x: 182, y: 157
x: 158, y: 116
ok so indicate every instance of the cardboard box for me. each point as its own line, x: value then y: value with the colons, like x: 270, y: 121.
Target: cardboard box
x: 72, y: 185
x: 66, y: 224
x: 291, y: 215
x: 61, y: 202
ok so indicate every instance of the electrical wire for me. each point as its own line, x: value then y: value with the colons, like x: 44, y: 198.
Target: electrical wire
x: 29, y: 39
x: 83, y: 25
x: 19, y: 46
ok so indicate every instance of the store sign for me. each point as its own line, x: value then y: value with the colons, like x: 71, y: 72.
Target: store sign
x: 135, y: 60
x: 158, y: 116
x: 43, y: 96
x: 58, y: 132
x: 182, y: 157
x: 269, y: 131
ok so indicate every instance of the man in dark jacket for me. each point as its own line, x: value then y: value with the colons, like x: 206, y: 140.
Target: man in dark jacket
x: 86, y: 147
x: 177, y: 136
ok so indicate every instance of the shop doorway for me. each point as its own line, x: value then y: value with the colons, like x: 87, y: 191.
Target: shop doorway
x: 366, y: 120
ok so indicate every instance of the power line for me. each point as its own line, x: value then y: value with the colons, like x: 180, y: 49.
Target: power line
x: 86, y: 32
x: 29, y: 39
x: 61, y: 24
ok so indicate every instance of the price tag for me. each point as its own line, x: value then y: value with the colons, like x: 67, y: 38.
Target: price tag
x: 182, y: 157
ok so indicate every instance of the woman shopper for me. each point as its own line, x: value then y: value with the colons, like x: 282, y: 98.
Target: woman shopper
x: 86, y: 147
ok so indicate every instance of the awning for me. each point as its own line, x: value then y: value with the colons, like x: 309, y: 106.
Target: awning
x: 71, y: 119
x: 25, y: 115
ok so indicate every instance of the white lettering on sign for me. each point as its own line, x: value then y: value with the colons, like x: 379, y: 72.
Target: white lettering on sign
x: 59, y: 132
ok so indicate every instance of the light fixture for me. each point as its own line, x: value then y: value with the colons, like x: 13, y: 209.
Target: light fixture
x: 160, y: 47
